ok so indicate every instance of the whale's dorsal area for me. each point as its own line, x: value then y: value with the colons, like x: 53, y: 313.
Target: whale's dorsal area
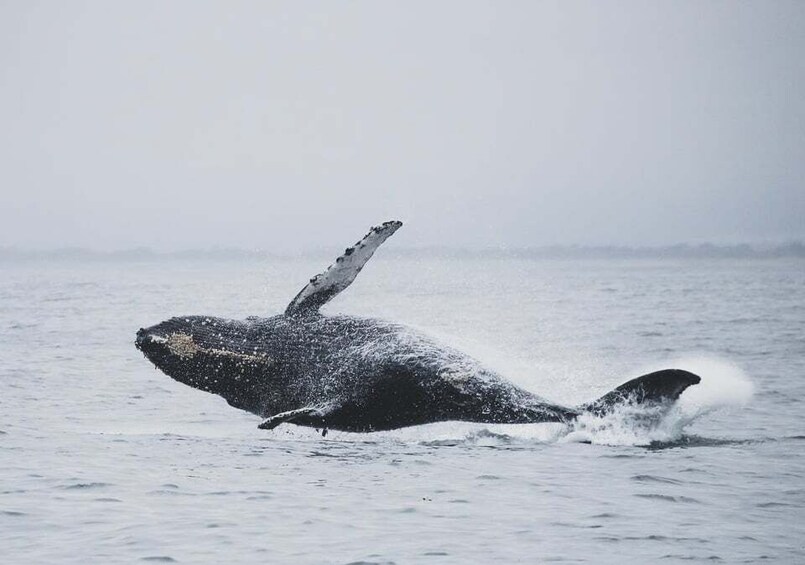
x: 340, y: 274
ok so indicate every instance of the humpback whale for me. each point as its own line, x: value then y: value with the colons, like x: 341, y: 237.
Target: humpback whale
x: 358, y: 374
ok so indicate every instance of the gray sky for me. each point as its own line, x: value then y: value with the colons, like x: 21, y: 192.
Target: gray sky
x: 292, y: 125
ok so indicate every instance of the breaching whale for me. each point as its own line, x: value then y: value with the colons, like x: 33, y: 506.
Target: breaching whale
x: 358, y: 374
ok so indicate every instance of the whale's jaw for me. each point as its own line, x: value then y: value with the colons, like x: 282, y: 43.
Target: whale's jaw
x: 208, y: 354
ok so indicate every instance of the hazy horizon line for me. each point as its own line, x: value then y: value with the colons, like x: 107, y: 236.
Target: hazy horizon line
x: 679, y: 251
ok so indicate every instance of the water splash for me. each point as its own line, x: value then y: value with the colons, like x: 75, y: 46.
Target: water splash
x: 724, y: 385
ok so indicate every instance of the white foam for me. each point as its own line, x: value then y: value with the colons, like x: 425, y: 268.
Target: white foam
x: 724, y: 385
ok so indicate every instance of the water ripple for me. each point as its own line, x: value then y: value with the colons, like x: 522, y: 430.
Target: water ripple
x: 668, y: 498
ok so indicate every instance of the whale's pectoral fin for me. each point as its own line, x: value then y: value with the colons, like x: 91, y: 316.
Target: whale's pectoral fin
x: 660, y: 387
x: 340, y: 274
x: 310, y: 415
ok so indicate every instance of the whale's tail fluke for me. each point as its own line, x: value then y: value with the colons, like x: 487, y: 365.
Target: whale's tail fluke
x: 660, y: 387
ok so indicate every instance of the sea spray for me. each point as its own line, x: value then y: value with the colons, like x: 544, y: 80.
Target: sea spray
x: 723, y: 386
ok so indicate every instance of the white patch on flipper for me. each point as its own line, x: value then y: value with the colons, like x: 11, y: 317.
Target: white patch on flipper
x: 340, y: 274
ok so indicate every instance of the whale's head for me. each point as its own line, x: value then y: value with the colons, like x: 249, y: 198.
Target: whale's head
x: 210, y: 354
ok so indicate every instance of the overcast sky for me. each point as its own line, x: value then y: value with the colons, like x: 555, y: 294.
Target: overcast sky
x: 296, y: 125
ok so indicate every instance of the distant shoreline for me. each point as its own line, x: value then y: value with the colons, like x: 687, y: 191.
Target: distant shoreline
x: 679, y: 251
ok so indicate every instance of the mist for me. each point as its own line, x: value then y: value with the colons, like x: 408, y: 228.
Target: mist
x: 287, y: 126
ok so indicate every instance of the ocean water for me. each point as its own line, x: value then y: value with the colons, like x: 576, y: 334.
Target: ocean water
x: 104, y: 459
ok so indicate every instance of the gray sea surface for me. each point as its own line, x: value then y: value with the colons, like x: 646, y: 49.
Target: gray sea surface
x: 103, y: 459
